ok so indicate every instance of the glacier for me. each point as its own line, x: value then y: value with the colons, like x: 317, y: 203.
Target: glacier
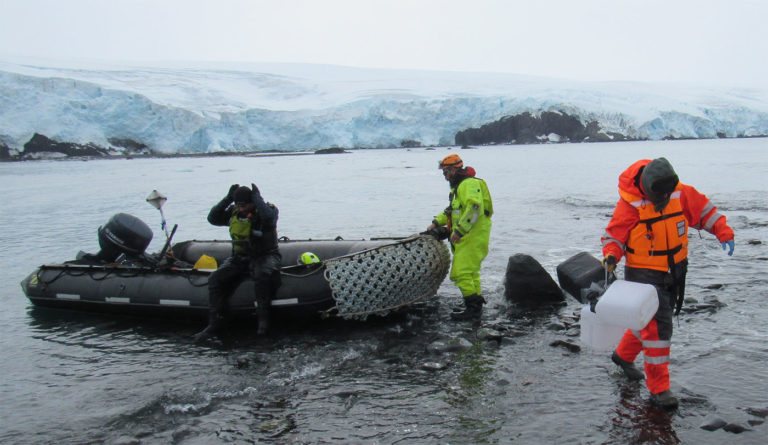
x: 207, y: 107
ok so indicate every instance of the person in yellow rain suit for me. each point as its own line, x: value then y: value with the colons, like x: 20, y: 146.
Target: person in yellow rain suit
x: 467, y: 221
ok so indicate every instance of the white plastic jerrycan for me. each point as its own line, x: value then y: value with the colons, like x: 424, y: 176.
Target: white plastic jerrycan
x: 628, y: 304
x: 597, y: 334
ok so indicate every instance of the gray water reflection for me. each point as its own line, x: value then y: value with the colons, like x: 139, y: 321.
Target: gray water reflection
x: 411, y: 378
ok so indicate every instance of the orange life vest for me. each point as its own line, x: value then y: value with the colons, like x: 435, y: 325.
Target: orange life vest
x: 660, y: 239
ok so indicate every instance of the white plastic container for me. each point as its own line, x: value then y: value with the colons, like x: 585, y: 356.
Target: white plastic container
x: 598, y: 335
x: 628, y: 304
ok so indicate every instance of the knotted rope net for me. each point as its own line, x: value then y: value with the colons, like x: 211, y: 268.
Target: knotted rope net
x: 382, y: 279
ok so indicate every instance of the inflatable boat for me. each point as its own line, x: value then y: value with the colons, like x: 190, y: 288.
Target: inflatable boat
x: 352, y: 280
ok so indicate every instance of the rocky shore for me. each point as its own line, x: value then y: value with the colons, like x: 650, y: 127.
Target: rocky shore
x: 41, y: 147
x: 524, y: 128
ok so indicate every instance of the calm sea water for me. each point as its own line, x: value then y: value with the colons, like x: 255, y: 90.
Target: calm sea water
x: 84, y: 378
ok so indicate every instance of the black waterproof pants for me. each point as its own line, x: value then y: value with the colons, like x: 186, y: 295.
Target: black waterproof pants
x: 263, y: 269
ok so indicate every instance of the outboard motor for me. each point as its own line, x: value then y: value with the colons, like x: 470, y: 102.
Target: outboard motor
x: 123, y: 234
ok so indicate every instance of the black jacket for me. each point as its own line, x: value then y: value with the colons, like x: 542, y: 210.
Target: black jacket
x: 264, y: 220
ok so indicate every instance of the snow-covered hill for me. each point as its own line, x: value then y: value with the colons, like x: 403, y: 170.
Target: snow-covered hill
x: 185, y: 109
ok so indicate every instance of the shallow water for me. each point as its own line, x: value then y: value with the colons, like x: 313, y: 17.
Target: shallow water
x: 84, y: 378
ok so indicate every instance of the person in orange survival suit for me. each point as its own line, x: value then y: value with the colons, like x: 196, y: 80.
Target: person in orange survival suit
x: 650, y: 227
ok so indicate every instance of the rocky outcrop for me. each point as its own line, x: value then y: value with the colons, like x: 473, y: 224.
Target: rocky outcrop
x: 408, y: 143
x: 40, y: 145
x: 332, y: 150
x: 130, y: 147
x: 526, y: 128
x: 5, y: 152
x: 43, y: 147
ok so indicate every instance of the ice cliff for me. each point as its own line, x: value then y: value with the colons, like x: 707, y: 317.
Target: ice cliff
x: 174, y: 109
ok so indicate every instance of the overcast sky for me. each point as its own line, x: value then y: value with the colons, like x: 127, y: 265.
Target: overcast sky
x: 701, y: 41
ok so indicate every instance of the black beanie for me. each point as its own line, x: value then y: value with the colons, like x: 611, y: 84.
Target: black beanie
x: 659, y: 181
x: 658, y: 178
x: 242, y: 195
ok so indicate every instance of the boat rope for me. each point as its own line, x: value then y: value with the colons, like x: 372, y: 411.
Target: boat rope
x: 387, y: 277
x: 58, y: 275
x: 78, y: 271
x: 107, y: 271
x: 316, y: 268
x: 100, y: 273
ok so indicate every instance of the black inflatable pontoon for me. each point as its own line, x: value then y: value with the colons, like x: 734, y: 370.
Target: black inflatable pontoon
x: 122, y: 279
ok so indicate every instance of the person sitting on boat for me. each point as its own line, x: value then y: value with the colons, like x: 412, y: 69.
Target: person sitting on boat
x: 649, y: 227
x: 468, y: 222
x: 253, y: 228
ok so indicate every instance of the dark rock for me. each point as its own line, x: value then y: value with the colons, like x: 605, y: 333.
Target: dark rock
x: 755, y: 422
x: 526, y: 128
x: 5, y: 152
x: 573, y: 332
x: 488, y: 334
x: 407, y: 143
x: 713, y: 423
x: 449, y: 345
x: 144, y: 433
x: 515, y: 333
x: 690, y: 400
x: 567, y: 345
x: 754, y: 242
x: 130, y: 146
x: 433, y: 366
x: 184, y: 432
x: 42, y: 144
x: 555, y: 326
x: 332, y: 150
x: 242, y: 362
x: 527, y: 283
x: 711, y: 305
x: 736, y: 428
x: 275, y: 427
x: 758, y: 412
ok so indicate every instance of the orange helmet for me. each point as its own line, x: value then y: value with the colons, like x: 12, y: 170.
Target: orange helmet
x: 452, y: 160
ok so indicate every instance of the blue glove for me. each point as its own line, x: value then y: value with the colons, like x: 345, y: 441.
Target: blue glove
x: 730, y: 245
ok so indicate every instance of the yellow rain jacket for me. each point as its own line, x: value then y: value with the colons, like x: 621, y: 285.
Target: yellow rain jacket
x: 469, y: 215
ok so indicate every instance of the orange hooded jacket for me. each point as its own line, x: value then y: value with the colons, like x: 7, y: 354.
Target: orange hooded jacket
x: 698, y: 212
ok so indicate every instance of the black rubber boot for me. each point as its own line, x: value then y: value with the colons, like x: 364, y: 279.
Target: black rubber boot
x: 665, y: 400
x: 629, y: 369
x: 263, y: 318
x: 217, y: 308
x: 473, y: 310
x: 212, y: 330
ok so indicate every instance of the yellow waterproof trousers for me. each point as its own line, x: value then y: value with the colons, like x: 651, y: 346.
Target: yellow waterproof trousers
x: 468, y: 254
